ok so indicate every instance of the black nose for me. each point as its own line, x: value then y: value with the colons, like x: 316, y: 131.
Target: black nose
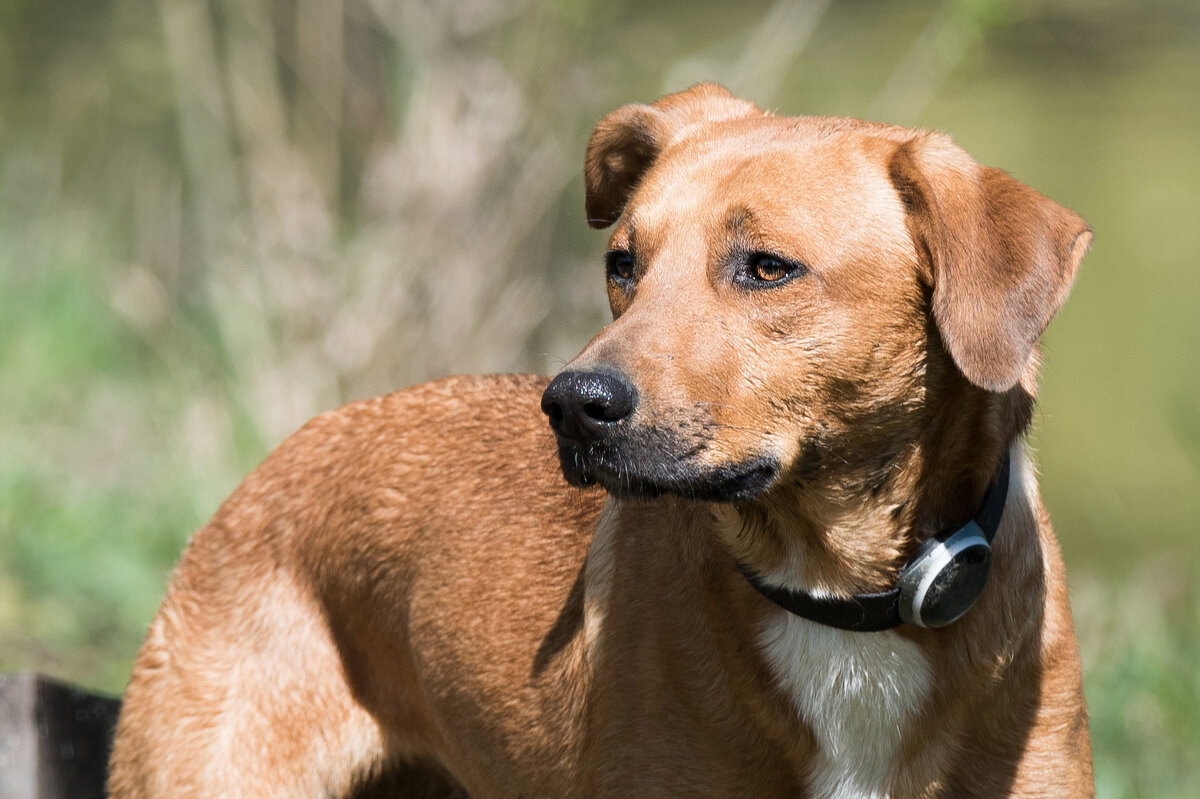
x: 585, y: 406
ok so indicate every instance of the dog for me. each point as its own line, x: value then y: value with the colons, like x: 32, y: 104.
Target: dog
x: 799, y: 550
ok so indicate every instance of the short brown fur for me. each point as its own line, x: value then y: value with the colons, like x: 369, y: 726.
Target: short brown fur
x: 407, y: 582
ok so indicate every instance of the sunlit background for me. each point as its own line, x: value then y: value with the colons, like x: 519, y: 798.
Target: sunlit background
x: 221, y: 217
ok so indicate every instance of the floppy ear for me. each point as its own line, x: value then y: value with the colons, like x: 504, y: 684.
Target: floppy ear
x: 1003, y: 257
x: 626, y: 142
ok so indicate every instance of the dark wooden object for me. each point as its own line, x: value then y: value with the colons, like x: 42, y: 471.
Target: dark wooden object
x: 54, y: 739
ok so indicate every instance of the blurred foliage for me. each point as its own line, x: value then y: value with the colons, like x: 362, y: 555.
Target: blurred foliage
x: 219, y: 218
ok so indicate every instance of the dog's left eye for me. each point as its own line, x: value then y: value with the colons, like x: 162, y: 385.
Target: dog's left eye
x: 763, y: 269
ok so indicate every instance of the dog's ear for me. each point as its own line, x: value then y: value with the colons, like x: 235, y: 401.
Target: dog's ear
x: 1002, y: 256
x: 626, y: 142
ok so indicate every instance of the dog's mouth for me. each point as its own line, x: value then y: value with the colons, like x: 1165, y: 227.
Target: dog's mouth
x: 628, y: 473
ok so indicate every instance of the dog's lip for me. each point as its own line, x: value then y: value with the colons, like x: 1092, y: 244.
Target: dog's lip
x: 735, y: 482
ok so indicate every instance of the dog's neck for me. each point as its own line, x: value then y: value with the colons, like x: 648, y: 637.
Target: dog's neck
x: 847, y: 528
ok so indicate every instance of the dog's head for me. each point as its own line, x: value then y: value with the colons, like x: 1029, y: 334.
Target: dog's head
x: 793, y: 292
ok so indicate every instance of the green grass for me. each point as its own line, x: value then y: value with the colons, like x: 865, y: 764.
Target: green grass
x: 98, y: 489
x: 1140, y: 642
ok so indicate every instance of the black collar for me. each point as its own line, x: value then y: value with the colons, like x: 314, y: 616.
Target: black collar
x: 881, y: 611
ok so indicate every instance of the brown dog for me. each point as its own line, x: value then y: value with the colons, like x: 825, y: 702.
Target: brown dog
x: 822, y: 363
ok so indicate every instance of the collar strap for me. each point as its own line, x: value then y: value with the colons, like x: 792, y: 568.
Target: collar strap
x: 936, y: 587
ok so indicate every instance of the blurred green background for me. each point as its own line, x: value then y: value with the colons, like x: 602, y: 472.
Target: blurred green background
x: 220, y: 218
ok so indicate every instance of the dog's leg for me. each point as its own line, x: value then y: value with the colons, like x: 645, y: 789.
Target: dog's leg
x: 245, y: 698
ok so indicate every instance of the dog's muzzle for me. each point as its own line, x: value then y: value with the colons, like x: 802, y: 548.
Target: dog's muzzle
x: 599, y: 441
x: 587, y: 412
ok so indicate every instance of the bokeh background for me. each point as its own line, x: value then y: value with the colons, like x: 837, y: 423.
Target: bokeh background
x: 221, y: 217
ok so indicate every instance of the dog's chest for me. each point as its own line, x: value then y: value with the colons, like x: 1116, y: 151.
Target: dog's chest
x: 856, y: 691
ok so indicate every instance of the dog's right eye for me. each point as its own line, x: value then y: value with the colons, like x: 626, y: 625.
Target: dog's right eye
x: 619, y: 265
x: 764, y: 270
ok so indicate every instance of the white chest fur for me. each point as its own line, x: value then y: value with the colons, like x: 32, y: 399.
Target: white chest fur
x: 857, y: 691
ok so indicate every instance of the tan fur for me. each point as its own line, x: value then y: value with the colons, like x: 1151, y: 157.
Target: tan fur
x: 408, y: 581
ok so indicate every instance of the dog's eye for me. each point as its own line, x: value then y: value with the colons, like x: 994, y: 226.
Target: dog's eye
x: 763, y: 269
x: 619, y: 265
x: 768, y: 269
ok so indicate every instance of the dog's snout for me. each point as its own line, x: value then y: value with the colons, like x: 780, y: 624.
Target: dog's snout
x: 584, y: 406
